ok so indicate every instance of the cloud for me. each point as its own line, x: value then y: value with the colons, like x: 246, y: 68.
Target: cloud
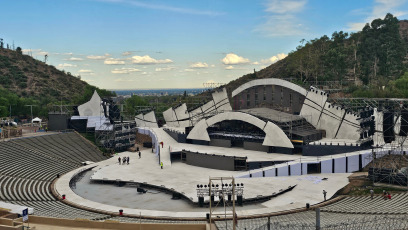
x: 189, y: 70
x: 74, y: 59
x: 124, y: 80
x: 95, y: 57
x: 124, y: 70
x: 113, y: 61
x: 379, y: 10
x: 229, y: 67
x: 273, y: 59
x: 126, y: 53
x: 233, y: 59
x: 147, y: 60
x: 164, y: 69
x: 66, y: 65
x: 255, y: 63
x: 281, y: 18
x: 284, y: 7
x: 42, y: 53
x: 86, y: 72
x: 199, y: 65
x: 154, y: 6
x: 144, y: 73
x: 88, y: 80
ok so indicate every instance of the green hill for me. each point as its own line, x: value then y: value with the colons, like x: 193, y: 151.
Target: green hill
x: 27, y: 81
x: 362, y: 62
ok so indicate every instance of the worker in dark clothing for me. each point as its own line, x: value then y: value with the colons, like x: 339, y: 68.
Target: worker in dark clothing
x: 119, y: 160
x: 140, y: 155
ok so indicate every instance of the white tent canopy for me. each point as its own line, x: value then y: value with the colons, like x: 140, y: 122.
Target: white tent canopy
x: 36, y: 120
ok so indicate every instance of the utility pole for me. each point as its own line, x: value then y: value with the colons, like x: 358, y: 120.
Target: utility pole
x: 31, y: 107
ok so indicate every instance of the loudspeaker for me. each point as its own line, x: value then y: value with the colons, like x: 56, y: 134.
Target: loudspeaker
x: 239, y: 200
x: 404, y: 123
x: 388, y: 127
x: 201, y: 201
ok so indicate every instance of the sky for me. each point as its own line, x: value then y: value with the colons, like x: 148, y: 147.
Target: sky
x: 145, y: 44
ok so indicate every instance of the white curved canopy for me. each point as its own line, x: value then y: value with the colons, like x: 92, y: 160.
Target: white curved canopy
x: 274, y: 136
x: 269, y: 81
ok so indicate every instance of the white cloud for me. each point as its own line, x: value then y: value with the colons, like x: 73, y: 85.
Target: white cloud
x: 213, y: 66
x: 155, y: 6
x: 144, y: 73
x: 147, y: 60
x: 124, y: 70
x: 126, y: 53
x: 88, y: 80
x: 379, y: 10
x: 233, y: 59
x: 86, y: 72
x: 274, y: 59
x: 95, y: 57
x: 199, y: 65
x: 255, y: 63
x: 281, y: 18
x: 189, y: 70
x: 229, y: 67
x: 74, y: 59
x: 124, y: 80
x: 164, y: 69
x: 114, y: 61
x: 66, y: 65
x: 42, y: 53
x: 284, y: 7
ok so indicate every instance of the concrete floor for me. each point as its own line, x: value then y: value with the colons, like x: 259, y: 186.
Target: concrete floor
x: 128, y: 197
x: 183, y: 178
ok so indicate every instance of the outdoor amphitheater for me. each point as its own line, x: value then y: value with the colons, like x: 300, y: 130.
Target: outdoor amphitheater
x: 267, y: 155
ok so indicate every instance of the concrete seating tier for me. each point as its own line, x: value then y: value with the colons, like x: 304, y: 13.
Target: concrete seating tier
x: 20, y: 189
x: 19, y: 161
x: 137, y: 220
x: 66, y: 146
x: 29, y: 165
x: 378, y: 205
x: 60, y: 210
x: 306, y: 220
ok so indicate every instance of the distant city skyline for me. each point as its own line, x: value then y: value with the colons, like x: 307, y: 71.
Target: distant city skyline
x: 141, y: 44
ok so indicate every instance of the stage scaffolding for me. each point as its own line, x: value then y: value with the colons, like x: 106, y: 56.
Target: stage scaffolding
x: 389, y: 161
x: 115, y: 133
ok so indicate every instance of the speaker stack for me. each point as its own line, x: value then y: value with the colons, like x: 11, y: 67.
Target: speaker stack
x: 404, y: 123
x: 388, y: 126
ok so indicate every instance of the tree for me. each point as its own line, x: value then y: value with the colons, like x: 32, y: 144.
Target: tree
x: 19, y: 50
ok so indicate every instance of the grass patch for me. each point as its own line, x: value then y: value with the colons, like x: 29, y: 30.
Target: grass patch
x: 365, y: 190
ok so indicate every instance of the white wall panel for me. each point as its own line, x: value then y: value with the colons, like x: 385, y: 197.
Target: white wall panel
x: 340, y: 165
x: 327, y: 166
x: 283, y: 170
x: 270, y: 172
x: 296, y: 169
x: 353, y: 163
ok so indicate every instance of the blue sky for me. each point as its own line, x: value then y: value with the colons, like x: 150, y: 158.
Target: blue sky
x: 135, y: 44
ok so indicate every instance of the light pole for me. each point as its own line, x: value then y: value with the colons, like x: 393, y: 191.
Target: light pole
x: 31, y: 106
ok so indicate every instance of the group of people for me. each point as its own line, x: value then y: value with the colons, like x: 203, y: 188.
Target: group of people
x: 124, y: 160
x: 386, y: 195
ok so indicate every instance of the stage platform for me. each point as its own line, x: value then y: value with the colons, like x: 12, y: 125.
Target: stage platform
x: 183, y: 179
